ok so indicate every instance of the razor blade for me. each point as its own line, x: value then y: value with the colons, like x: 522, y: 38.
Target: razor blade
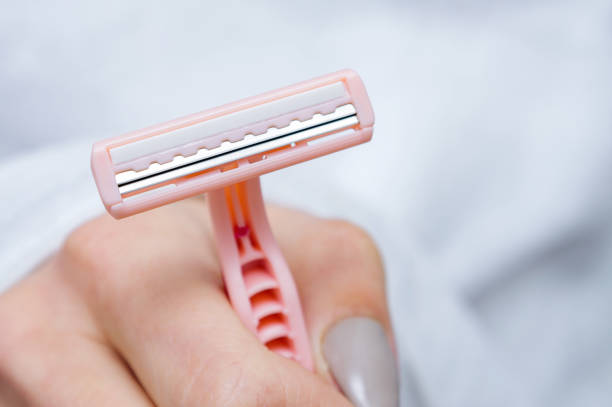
x: 226, y: 145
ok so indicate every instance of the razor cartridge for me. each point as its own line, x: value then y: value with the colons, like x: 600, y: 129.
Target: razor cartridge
x: 222, y: 152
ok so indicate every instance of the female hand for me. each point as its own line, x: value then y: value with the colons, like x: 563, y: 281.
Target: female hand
x: 133, y: 313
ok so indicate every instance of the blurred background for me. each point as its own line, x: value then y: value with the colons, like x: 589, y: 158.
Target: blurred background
x: 486, y: 185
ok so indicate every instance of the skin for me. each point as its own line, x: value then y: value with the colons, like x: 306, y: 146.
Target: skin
x: 133, y: 313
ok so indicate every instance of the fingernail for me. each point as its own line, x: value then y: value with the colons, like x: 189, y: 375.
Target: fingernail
x: 362, y: 362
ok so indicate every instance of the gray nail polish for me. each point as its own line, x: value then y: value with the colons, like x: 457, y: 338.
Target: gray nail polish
x: 362, y: 363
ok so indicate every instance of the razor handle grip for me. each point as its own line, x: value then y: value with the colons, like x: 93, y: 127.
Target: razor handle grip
x: 257, y: 279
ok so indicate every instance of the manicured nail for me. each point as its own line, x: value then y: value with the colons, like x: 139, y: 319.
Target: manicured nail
x: 362, y: 362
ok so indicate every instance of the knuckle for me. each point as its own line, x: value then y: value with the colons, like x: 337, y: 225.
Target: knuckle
x: 91, y: 257
x: 348, y: 246
x: 83, y: 245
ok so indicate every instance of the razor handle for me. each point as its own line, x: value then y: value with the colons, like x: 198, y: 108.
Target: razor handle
x: 258, y: 281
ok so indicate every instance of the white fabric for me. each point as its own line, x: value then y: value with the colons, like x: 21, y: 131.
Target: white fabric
x: 487, y: 184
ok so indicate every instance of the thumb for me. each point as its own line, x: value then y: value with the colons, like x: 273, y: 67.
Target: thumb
x: 340, y: 279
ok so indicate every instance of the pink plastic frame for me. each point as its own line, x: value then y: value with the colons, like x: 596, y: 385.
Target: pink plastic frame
x: 104, y: 170
x: 257, y: 278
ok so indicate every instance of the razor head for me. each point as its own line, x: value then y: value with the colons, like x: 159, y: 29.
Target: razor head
x: 232, y: 143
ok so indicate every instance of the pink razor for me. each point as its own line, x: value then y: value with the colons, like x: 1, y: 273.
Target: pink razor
x: 223, y: 151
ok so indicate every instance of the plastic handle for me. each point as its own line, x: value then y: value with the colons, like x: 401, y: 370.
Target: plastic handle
x: 257, y: 278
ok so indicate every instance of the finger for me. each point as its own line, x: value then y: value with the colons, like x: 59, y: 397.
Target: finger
x: 166, y: 312
x: 49, y: 359
x: 340, y: 278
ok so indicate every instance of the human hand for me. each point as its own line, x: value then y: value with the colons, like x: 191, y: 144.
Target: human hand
x: 133, y: 313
